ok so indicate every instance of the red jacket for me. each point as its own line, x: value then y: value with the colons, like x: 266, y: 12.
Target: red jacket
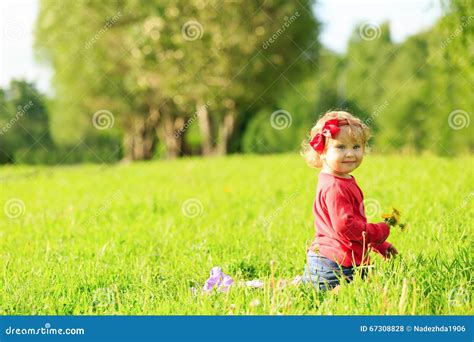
x: 342, y: 231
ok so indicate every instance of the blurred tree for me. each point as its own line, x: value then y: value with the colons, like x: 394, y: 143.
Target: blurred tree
x: 402, y: 117
x: 370, y: 52
x: 84, y: 44
x: 6, y: 155
x: 410, y: 92
x: 23, y: 120
x: 298, y: 108
x: 457, y: 29
x: 156, y: 65
x: 206, y: 76
x: 452, y: 63
x: 260, y: 54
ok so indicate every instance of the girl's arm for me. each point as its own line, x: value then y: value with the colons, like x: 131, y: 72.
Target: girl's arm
x: 345, y: 223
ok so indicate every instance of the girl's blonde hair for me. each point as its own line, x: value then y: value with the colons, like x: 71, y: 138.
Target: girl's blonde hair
x: 359, y: 130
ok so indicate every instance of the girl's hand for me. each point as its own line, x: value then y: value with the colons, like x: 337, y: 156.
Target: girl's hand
x: 391, y: 252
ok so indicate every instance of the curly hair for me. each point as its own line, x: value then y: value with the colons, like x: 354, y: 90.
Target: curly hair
x: 359, y: 130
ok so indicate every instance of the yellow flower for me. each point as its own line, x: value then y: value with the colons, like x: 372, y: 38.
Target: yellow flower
x: 393, y: 219
x: 396, y: 215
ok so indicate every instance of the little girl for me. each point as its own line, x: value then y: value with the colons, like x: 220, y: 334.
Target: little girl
x: 343, y: 237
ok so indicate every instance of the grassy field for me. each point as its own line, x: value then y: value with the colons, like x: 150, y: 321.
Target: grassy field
x: 137, y: 239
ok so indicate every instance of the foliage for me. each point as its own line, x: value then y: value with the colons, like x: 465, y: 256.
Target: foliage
x: 23, y: 120
x: 154, y: 64
x: 193, y: 77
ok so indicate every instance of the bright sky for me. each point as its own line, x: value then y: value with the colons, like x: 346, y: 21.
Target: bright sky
x: 339, y: 17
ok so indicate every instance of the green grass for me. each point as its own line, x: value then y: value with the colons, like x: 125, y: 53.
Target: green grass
x: 114, y: 240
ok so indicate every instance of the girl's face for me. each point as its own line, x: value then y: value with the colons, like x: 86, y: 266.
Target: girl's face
x: 343, y: 154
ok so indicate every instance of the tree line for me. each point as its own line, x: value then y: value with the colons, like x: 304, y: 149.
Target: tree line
x: 136, y: 81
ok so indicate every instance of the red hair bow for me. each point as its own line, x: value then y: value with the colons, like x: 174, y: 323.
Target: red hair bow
x: 330, y: 129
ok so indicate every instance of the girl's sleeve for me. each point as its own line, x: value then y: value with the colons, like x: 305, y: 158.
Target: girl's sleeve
x: 381, y: 248
x: 346, y: 224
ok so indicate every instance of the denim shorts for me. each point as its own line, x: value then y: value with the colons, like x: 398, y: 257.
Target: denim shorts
x: 324, y: 273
